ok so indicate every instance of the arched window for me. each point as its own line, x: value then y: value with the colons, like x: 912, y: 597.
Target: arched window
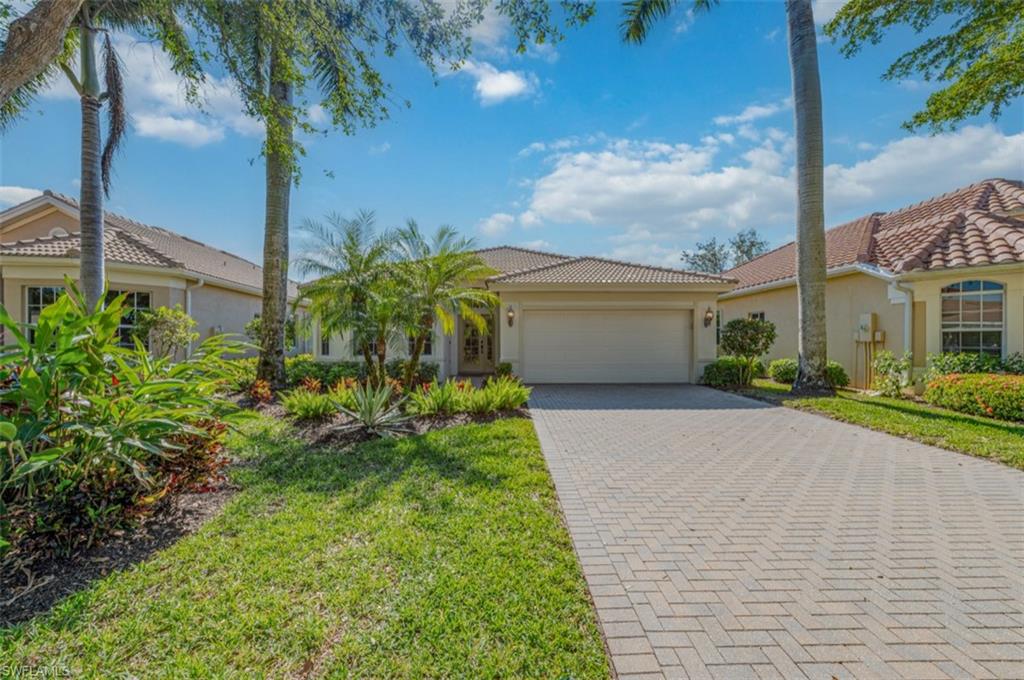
x: 972, y: 317
x: 58, y: 232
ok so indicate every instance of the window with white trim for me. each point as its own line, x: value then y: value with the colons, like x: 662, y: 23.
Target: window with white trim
x: 38, y: 298
x: 757, y: 316
x: 134, y: 302
x: 972, y: 317
x: 428, y: 346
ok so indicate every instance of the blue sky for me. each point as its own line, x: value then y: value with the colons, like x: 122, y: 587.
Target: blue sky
x: 587, y: 147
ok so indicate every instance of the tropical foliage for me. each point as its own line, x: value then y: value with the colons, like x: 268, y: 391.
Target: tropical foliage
x: 166, y: 330
x: 980, y: 394
x: 891, y: 374
x: 374, y: 412
x: 90, y: 427
x: 503, y: 393
x: 305, y: 404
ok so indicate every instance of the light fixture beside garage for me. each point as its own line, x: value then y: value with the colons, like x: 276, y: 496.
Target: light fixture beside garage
x: 709, y: 316
x: 510, y: 315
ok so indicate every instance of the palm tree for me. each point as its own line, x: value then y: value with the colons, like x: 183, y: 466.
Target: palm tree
x: 437, y: 275
x: 153, y: 19
x: 352, y: 265
x: 639, y: 17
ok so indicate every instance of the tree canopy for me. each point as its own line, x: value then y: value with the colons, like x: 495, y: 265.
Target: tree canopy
x: 979, y: 57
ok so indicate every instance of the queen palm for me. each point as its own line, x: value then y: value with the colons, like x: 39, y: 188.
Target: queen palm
x: 437, y: 275
x: 350, y: 262
x: 639, y: 17
x: 80, y: 61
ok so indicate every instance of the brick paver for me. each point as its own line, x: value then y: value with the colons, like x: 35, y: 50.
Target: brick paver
x: 725, y: 538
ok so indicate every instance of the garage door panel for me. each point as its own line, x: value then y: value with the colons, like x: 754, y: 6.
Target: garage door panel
x: 610, y: 345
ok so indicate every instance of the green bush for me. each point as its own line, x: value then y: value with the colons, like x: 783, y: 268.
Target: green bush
x: 746, y: 340
x: 91, y: 426
x: 890, y: 374
x: 373, y: 413
x: 498, y: 394
x: 951, y: 362
x: 304, y: 404
x: 836, y: 374
x: 730, y: 371
x: 783, y: 371
x: 502, y: 369
x: 439, y: 399
x: 981, y: 394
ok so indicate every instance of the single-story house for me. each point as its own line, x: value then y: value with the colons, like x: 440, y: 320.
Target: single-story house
x: 578, y: 320
x: 944, y: 275
x: 40, y: 243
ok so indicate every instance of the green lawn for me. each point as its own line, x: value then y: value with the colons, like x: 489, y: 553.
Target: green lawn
x: 973, y: 435
x: 442, y: 555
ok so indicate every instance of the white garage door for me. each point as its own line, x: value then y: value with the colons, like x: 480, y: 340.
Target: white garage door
x: 607, y: 345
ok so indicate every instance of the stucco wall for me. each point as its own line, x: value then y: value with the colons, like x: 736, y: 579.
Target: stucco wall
x: 847, y: 297
x: 702, y: 343
x: 220, y: 310
x: 37, y: 223
x: 340, y: 347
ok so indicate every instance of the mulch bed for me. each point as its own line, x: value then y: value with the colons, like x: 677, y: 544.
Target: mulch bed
x: 323, y: 432
x: 29, y: 587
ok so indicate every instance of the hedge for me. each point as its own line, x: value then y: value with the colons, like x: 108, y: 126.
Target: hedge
x: 980, y: 394
x: 726, y: 371
x: 784, y: 371
x: 330, y: 372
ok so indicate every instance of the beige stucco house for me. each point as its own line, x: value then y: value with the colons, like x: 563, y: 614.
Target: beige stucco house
x: 944, y: 275
x: 39, y: 245
x: 579, y: 320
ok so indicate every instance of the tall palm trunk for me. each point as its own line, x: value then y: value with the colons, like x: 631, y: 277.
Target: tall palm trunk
x: 275, y: 240
x: 810, y: 180
x: 412, y: 364
x: 90, y: 200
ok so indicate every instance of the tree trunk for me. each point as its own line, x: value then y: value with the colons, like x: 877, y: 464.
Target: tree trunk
x: 275, y: 239
x: 33, y: 43
x: 92, y: 277
x: 419, y: 342
x: 382, y: 360
x: 810, y: 180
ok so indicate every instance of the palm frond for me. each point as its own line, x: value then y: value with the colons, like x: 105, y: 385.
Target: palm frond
x: 638, y: 16
x: 116, y: 114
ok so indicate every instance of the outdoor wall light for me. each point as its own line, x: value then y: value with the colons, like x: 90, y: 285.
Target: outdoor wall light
x: 709, y: 316
x: 510, y: 315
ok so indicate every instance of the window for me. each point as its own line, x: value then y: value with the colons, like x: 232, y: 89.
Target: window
x: 134, y: 302
x: 972, y: 318
x: 718, y: 328
x: 428, y: 346
x: 37, y: 298
x: 757, y: 316
x: 325, y: 344
x: 357, y: 351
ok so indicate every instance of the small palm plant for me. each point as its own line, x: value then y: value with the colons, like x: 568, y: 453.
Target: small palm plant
x: 373, y: 413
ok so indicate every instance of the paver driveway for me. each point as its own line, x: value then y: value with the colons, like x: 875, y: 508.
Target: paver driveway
x: 726, y: 538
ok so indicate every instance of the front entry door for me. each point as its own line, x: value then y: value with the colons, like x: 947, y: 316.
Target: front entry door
x: 477, y: 349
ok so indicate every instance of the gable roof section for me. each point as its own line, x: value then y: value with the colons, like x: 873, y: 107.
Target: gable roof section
x: 130, y: 242
x: 597, y: 270
x: 507, y: 259
x: 980, y: 224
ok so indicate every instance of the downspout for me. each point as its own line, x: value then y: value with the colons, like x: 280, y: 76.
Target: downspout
x: 188, y: 306
x: 908, y: 324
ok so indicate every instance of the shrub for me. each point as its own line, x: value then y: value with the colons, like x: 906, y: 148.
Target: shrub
x: 434, y: 399
x: 726, y: 371
x: 890, y: 377
x: 254, y: 328
x: 167, y: 330
x: 982, y: 394
x: 502, y: 369
x: 1014, y: 364
x: 836, y: 374
x: 783, y: 371
x: 951, y: 362
x: 747, y: 340
x: 304, y: 404
x: 310, y: 384
x: 373, y: 413
x: 91, y: 427
x: 245, y: 373
x: 260, y: 391
x: 503, y: 394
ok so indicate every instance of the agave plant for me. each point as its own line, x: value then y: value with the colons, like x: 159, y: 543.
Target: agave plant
x: 373, y: 412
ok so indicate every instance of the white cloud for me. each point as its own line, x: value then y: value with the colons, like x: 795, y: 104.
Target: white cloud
x: 11, y: 195
x: 378, y: 149
x: 824, y: 10
x: 157, y: 102
x: 755, y: 112
x: 660, y: 196
x: 529, y: 219
x: 496, y: 224
x: 317, y: 114
x: 494, y: 86
x: 187, y: 131
x: 490, y: 33
x: 648, y: 253
x: 685, y: 22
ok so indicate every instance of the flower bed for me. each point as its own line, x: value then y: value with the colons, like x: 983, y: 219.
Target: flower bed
x: 982, y: 394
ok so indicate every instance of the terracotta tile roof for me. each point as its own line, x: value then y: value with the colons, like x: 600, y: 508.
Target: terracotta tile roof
x: 507, y: 259
x: 168, y: 249
x: 598, y: 270
x: 981, y: 224
x: 119, y: 246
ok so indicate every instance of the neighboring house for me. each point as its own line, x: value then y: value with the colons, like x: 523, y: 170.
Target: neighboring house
x: 579, y: 320
x: 39, y: 245
x: 945, y: 275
